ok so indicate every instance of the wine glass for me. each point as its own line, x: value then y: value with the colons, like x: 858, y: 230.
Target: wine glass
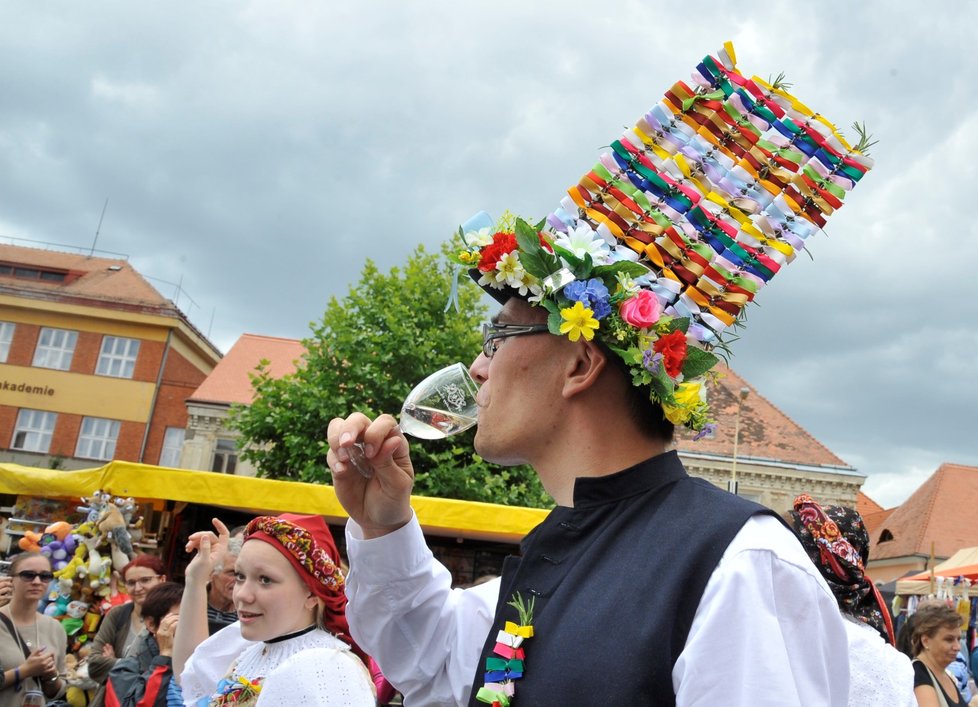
x: 441, y: 405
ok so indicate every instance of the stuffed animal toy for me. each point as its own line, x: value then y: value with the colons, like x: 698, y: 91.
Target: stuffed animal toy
x: 112, y: 525
x: 94, y: 505
x: 31, y: 542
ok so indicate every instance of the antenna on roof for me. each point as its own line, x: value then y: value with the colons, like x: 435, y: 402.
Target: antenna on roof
x: 99, y: 227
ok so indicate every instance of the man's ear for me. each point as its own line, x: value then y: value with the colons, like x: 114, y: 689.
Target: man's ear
x: 584, y: 367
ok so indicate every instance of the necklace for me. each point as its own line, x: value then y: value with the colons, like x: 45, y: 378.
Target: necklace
x: 20, y: 628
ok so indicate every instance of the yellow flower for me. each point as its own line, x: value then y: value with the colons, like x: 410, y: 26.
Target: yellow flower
x: 688, y: 397
x: 578, y: 320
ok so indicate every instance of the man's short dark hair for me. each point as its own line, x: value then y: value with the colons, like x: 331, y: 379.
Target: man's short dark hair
x: 644, y: 412
x: 160, y: 599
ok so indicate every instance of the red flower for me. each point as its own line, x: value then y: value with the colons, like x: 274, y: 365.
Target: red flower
x: 672, y: 346
x: 502, y: 243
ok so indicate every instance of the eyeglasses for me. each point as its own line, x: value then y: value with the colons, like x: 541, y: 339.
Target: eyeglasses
x: 142, y: 581
x: 31, y: 575
x: 492, y: 333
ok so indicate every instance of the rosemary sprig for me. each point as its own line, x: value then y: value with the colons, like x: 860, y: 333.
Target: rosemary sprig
x: 525, y: 610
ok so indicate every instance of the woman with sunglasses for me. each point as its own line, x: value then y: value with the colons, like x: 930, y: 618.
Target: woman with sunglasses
x: 32, y: 645
x: 117, y: 634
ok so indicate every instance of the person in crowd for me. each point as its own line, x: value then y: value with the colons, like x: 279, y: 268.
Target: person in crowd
x: 836, y: 540
x: 291, y: 644
x: 220, y: 604
x: 959, y: 671
x: 32, y: 645
x: 935, y: 641
x: 641, y: 576
x: 142, y: 678
x: 120, y: 628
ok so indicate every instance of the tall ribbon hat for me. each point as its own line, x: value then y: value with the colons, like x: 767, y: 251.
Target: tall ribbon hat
x: 656, y: 250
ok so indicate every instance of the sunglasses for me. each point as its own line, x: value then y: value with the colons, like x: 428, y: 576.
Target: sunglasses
x: 31, y: 575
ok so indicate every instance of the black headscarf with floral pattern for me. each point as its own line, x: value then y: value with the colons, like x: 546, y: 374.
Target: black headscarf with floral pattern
x: 836, y: 540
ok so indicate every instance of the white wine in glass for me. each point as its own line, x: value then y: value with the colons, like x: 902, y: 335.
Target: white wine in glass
x: 441, y: 405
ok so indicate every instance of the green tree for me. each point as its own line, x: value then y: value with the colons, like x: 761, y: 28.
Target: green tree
x: 365, y: 354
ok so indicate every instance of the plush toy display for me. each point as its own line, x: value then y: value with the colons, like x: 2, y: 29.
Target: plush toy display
x: 85, y: 559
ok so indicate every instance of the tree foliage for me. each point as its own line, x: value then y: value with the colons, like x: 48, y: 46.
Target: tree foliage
x: 365, y: 354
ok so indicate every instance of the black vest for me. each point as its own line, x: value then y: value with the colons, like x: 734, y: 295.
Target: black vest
x: 617, y: 580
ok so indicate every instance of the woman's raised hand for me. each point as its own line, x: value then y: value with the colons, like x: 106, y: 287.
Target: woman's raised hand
x: 210, y: 547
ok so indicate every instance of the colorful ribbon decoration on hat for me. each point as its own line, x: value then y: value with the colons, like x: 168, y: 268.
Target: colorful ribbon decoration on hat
x: 713, y: 191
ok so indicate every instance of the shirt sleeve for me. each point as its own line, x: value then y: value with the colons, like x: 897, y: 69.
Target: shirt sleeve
x: 319, y: 677
x: 426, y: 637
x: 210, y: 662
x: 767, y: 630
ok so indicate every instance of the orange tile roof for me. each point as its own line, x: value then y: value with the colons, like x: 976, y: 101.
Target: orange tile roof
x: 866, y: 506
x: 229, y: 382
x: 941, y: 512
x: 109, y: 281
x: 874, y: 521
x: 765, y: 431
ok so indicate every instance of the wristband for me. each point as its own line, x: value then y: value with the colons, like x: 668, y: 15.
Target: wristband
x: 16, y: 679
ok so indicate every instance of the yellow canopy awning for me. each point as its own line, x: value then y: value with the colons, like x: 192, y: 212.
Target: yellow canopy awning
x: 438, y: 516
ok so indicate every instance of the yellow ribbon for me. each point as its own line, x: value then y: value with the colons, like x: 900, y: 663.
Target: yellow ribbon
x: 523, y: 631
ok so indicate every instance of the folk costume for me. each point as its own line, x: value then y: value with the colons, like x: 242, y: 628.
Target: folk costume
x: 836, y: 541
x: 629, y: 596
x: 635, y: 594
x: 312, y: 666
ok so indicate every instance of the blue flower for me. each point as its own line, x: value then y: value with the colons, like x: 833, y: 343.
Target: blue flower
x: 601, y: 309
x: 652, y: 361
x: 708, y: 429
x: 577, y: 292
x: 596, y: 290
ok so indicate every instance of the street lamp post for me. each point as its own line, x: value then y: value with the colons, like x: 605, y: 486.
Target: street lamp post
x: 732, y: 484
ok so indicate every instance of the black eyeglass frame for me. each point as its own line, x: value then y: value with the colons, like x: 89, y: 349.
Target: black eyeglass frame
x: 494, y: 332
x: 30, y: 575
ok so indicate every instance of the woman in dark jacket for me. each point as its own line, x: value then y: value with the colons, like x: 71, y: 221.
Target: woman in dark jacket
x: 122, y: 625
x: 144, y: 678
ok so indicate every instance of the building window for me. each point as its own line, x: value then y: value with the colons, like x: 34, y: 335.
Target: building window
x: 225, y: 456
x: 172, y: 446
x: 118, y: 357
x: 885, y: 537
x: 33, y: 430
x: 6, y: 336
x: 97, y: 438
x: 55, y: 348
x: 29, y: 272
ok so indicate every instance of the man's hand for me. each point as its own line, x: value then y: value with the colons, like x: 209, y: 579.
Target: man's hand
x: 382, y: 503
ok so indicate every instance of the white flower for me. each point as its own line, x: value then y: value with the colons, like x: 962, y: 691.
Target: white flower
x: 478, y: 239
x: 510, y: 270
x: 489, y: 279
x: 583, y: 240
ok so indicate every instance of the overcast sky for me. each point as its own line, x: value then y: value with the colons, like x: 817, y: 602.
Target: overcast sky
x: 258, y: 152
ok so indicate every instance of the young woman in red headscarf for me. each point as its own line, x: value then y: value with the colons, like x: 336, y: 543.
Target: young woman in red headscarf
x: 291, y: 644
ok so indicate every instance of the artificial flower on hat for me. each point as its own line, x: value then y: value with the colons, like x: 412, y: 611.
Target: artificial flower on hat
x: 658, y: 248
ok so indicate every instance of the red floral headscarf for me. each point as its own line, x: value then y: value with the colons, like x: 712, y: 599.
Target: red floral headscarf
x: 306, y: 542
x: 836, y: 540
